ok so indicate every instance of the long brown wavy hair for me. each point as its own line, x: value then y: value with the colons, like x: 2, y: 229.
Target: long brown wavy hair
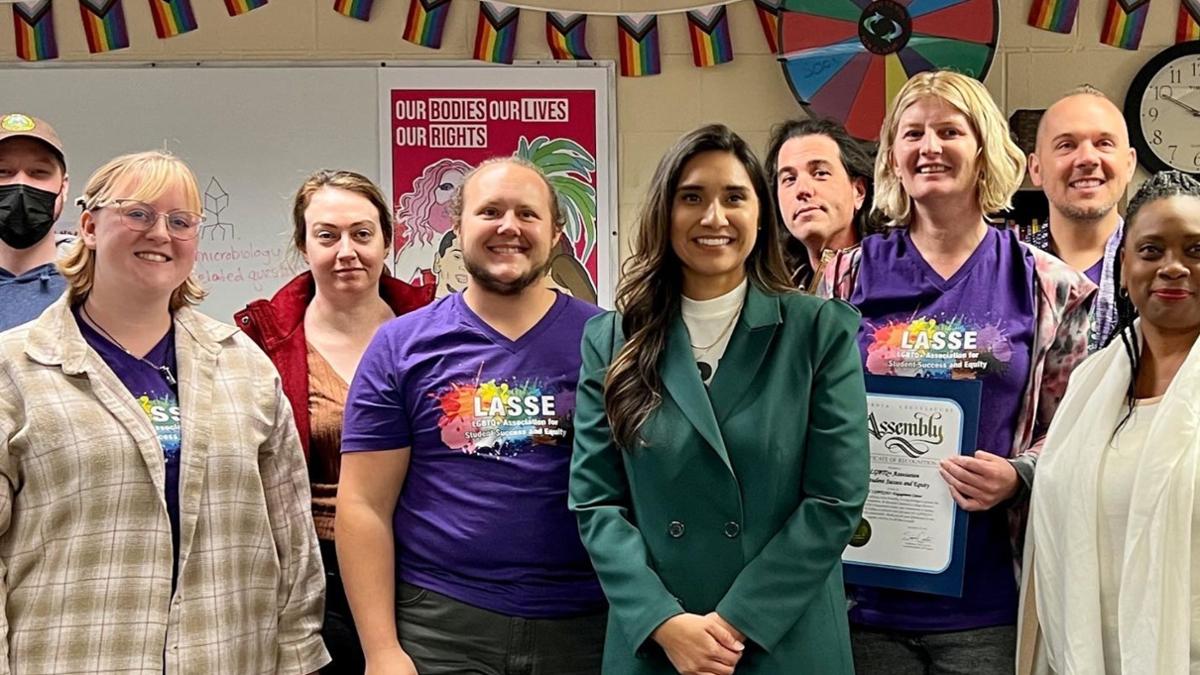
x: 648, y: 295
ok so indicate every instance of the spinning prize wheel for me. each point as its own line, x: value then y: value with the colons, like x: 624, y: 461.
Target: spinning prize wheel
x: 846, y: 59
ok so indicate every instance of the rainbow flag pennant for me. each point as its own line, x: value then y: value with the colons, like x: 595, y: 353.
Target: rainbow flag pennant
x: 172, y: 17
x: 33, y: 26
x: 638, y: 37
x: 239, y: 7
x: 768, y: 16
x: 104, y: 25
x: 355, y: 9
x: 1057, y: 16
x: 1123, y: 23
x: 709, y: 28
x: 566, y: 33
x: 496, y: 33
x: 1189, y: 21
x: 426, y: 22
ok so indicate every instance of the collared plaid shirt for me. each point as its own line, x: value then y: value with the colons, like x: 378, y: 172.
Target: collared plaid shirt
x: 1104, y: 310
x: 85, y: 540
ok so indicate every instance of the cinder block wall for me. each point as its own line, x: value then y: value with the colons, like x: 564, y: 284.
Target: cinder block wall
x: 1031, y: 67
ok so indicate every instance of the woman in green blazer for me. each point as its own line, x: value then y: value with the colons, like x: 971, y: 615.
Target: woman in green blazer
x: 720, y: 460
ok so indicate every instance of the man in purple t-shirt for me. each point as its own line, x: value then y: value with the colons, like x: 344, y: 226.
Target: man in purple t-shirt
x: 1083, y: 162
x: 476, y: 564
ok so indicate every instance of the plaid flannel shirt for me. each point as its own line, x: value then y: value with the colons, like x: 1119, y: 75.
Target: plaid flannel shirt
x: 85, y: 541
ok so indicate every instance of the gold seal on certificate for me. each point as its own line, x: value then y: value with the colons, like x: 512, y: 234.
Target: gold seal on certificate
x: 910, y: 524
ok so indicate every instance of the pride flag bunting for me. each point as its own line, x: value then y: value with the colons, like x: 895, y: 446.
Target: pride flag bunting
x: 638, y: 37
x: 426, y: 22
x: 172, y: 17
x: 1057, y: 16
x: 709, y: 30
x: 768, y: 16
x: 496, y: 33
x: 239, y: 7
x: 33, y: 27
x: 355, y: 9
x: 566, y: 33
x: 104, y: 25
x: 1123, y: 23
x: 1189, y: 21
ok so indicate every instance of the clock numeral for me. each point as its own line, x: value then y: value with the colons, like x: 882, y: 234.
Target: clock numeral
x: 1196, y: 160
x: 1195, y: 68
x: 1162, y: 91
x: 1156, y: 138
x: 1152, y: 113
x: 1176, y: 76
x: 1173, y: 149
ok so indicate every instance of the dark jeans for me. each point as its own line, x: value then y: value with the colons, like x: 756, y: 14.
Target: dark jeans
x: 447, y: 637
x: 982, y: 651
x: 341, y: 638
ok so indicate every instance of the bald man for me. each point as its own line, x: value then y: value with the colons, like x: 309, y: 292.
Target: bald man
x: 1083, y: 162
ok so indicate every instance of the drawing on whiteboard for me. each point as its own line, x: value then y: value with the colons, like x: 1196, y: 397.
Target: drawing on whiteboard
x: 216, y: 200
x: 426, y: 250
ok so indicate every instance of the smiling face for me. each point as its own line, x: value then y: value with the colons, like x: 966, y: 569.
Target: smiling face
x: 149, y: 265
x: 343, y: 242
x: 936, y: 152
x: 1083, y: 161
x: 817, y: 197
x: 1160, y: 264
x: 507, y: 231
x: 714, y: 223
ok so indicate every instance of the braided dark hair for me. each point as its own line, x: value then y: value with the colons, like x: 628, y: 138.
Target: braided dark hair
x: 1161, y: 185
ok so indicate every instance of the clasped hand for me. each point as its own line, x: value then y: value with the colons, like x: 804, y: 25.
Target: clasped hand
x: 700, y: 645
x: 978, y: 483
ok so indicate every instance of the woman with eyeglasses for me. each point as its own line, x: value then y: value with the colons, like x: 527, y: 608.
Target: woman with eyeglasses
x: 154, y: 501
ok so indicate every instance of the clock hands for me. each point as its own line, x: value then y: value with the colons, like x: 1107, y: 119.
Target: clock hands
x: 1195, y: 112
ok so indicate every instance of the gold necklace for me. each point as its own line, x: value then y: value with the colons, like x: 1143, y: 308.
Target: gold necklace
x: 728, y: 325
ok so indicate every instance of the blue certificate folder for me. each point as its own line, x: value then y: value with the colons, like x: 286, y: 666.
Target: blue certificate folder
x: 949, y: 581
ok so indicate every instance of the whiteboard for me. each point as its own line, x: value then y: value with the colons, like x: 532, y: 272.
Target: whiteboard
x: 251, y: 134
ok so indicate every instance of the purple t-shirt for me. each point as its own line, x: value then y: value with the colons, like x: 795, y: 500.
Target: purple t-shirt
x: 483, y: 513
x: 157, y: 399
x: 978, y: 325
x: 1095, y: 271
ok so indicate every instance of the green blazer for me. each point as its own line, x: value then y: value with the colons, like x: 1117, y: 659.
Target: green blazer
x: 745, y: 495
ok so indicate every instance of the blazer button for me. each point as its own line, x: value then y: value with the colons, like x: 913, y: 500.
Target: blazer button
x: 675, y: 529
x: 732, y: 529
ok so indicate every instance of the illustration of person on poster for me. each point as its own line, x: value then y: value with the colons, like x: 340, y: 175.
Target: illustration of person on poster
x: 439, y: 135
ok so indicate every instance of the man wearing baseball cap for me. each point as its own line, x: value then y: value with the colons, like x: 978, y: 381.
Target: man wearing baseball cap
x: 33, y: 187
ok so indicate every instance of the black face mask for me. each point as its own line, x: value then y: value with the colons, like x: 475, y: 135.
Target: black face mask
x: 26, y: 214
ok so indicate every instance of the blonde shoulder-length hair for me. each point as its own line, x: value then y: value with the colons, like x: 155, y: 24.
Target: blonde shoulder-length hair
x: 1001, y: 165
x: 146, y: 175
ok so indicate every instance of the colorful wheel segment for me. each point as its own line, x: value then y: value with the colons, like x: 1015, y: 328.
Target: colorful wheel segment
x: 846, y: 59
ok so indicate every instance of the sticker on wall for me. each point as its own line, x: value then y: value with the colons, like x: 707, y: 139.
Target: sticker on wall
x: 846, y: 59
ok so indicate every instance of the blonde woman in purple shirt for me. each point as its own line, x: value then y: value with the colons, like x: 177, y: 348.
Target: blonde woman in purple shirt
x: 941, y: 278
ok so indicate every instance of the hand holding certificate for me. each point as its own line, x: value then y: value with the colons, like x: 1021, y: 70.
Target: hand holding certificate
x: 913, y: 534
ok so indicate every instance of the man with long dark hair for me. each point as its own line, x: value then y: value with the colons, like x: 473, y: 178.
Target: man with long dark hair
x: 476, y: 565
x: 821, y: 180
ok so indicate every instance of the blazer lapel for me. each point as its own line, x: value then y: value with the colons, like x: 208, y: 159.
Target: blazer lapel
x: 681, y: 378
x: 748, y: 347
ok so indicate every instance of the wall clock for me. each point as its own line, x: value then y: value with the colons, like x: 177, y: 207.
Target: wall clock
x: 1162, y: 109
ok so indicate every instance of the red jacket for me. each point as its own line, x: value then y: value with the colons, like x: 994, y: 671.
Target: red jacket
x: 277, y: 325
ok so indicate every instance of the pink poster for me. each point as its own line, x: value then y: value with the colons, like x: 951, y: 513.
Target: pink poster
x: 438, y: 135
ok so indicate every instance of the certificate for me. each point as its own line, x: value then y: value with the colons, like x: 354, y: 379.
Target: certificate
x: 912, y: 535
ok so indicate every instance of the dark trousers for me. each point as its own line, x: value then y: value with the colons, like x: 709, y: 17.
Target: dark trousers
x: 341, y: 638
x: 446, y: 637
x: 982, y: 651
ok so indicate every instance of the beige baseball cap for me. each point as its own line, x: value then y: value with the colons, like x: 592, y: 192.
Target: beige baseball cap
x: 13, y: 125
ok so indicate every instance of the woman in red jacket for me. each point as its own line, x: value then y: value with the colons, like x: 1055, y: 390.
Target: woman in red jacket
x: 315, y: 330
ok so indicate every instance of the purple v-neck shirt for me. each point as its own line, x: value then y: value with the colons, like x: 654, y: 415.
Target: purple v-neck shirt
x: 483, y: 515
x: 978, y: 325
